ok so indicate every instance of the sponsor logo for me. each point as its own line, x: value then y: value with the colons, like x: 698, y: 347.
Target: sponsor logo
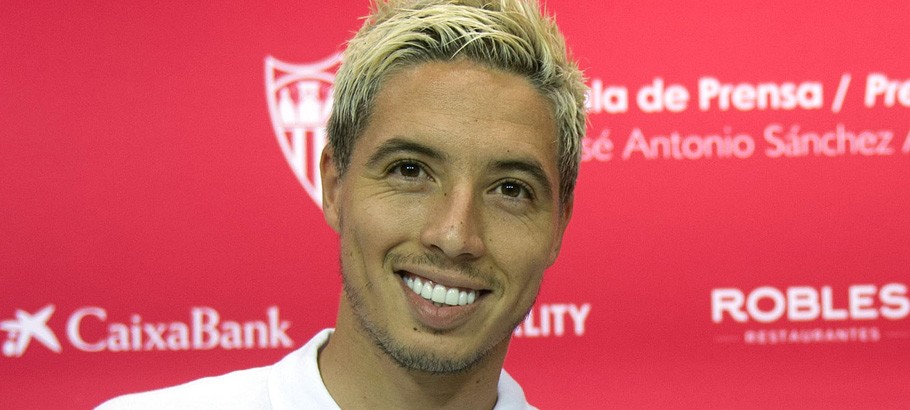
x: 299, y: 97
x: 25, y: 327
x: 554, y: 320
x: 858, y: 313
x: 88, y: 329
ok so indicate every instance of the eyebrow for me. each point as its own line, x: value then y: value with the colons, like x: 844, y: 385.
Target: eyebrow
x: 530, y: 167
x: 397, y: 145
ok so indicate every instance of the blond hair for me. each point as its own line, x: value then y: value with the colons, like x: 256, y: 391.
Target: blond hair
x: 509, y: 35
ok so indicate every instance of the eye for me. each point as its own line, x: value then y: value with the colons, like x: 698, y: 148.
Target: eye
x: 408, y: 169
x: 514, y: 189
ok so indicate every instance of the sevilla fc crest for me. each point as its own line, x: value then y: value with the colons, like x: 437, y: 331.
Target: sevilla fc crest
x: 300, y: 100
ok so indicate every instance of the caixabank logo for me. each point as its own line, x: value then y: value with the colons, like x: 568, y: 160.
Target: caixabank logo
x: 27, y: 327
x: 299, y: 97
x: 768, y: 315
x: 90, y: 329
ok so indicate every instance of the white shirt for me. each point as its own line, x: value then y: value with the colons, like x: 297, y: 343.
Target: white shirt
x: 292, y: 383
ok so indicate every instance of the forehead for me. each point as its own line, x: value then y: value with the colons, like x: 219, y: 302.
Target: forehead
x: 464, y: 107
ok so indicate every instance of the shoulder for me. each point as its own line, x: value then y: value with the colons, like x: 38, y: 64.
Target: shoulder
x: 511, y: 396
x: 243, y: 389
x: 294, y: 380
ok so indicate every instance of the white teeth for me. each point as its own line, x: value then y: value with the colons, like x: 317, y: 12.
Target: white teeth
x: 439, y: 294
x: 427, y: 291
x: 462, y: 298
x: 452, y: 297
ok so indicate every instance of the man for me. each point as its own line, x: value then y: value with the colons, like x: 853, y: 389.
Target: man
x: 453, y: 152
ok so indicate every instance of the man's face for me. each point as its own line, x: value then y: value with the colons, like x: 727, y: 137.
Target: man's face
x: 448, y: 213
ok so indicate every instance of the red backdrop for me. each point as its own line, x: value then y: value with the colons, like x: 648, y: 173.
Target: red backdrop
x: 740, y: 235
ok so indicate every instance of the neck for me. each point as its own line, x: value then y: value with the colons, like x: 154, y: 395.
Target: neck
x: 359, y: 374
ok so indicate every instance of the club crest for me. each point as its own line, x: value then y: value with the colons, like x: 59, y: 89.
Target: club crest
x: 300, y: 100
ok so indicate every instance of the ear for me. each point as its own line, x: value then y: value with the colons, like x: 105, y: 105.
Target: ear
x: 565, y: 214
x: 330, y: 189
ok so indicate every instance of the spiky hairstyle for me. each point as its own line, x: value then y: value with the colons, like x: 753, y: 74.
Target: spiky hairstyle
x: 509, y: 35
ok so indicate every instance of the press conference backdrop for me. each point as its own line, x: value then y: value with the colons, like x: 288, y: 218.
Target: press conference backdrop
x: 740, y: 239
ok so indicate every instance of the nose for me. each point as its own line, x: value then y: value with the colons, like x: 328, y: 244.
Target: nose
x: 455, y: 226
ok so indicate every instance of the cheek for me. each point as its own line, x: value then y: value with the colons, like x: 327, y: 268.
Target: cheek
x: 522, y: 252
x: 379, y: 223
x: 522, y: 241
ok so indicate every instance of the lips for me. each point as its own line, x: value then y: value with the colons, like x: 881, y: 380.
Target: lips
x: 439, y: 294
x: 442, y: 307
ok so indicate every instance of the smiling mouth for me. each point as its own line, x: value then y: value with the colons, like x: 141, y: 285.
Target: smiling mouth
x: 440, y: 295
